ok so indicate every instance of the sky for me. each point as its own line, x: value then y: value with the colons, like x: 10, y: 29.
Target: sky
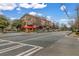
x: 52, y: 11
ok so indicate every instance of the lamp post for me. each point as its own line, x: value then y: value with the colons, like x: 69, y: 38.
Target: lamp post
x: 64, y: 9
x: 77, y: 21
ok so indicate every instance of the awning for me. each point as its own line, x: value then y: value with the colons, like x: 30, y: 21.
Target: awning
x: 29, y: 26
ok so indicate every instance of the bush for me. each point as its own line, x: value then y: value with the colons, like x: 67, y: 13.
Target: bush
x: 77, y: 32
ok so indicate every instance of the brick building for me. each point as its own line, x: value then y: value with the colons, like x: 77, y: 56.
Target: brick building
x: 32, y: 23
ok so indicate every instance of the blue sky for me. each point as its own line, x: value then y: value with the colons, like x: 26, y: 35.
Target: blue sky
x: 50, y: 10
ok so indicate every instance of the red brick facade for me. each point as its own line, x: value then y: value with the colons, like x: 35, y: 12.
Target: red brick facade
x: 31, y: 23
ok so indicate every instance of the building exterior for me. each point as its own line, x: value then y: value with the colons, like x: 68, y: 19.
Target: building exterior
x: 33, y: 23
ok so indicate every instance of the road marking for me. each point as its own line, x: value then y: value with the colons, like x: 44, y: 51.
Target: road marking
x: 21, y: 43
x: 26, y: 51
x: 10, y: 48
x: 32, y: 52
x: 2, y: 40
x: 6, y: 44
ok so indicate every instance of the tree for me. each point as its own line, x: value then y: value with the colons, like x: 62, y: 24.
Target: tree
x: 4, y: 22
x: 64, y: 27
x: 17, y: 24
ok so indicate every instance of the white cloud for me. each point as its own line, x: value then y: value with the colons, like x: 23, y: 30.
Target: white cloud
x: 50, y: 18
x: 39, y: 14
x: 63, y: 7
x: 7, y: 6
x: 12, y: 18
x: 65, y: 21
x: 11, y: 6
x: 25, y: 5
x: 36, y: 6
x: 18, y: 8
x: 32, y: 5
x: 35, y: 13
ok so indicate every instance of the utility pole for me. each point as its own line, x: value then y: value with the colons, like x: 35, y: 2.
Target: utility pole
x: 77, y: 10
x: 77, y: 21
x: 64, y: 9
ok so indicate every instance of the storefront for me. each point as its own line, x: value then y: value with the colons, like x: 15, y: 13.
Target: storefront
x: 29, y: 28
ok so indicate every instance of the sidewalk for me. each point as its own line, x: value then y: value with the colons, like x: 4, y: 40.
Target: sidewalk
x: 64, y: 47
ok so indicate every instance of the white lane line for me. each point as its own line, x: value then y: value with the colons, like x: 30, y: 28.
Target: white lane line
x: 20, y: 43
x: 2, y: 41
x: 10, y: 48
x: 32, y: 52
x: 5, y: 40
x: 6, y: 44
x: 26, y: 51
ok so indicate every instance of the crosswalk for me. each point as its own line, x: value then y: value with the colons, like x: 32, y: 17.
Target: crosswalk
x: 10, y: 48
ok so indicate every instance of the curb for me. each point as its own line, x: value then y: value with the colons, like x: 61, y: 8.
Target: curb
x: 68, y: 34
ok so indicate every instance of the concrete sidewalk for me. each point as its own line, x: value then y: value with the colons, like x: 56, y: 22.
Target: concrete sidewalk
x: 67, y: 46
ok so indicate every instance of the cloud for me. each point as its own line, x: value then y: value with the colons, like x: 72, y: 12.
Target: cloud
x: 63, y: 7
x: 65, y: 21
x: 11, y: 6
x: 39, y: 14
x: 50, y: 18
x: 35, y: 13
x: 7, y: 6
x: 18, y: 8
x: 36, y: 6
x: 25, y: 5
x: 12, y: 18
x: 33, y: 5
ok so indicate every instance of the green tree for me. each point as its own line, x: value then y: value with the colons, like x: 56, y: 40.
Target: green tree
x: 64, y: 27
x: 4, y: 22
x: 17, y: 24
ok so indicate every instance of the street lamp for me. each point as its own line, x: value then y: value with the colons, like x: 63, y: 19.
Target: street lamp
x: 64, y: 9
x: 77, y: 21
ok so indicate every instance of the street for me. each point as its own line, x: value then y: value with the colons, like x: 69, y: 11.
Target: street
x: 39, y: 44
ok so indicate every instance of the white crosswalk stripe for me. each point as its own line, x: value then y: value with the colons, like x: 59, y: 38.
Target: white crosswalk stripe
x: 10, y: 48
x: 6, y: 43
x: 19, y: 45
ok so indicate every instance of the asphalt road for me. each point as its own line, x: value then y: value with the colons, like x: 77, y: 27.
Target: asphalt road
x: 30, y: 44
